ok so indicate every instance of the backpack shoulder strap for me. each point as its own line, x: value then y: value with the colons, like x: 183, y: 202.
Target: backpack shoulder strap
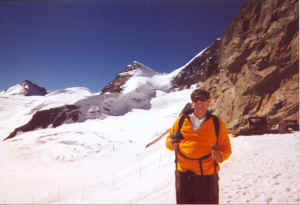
x: 215, y: 120
x: 181, y: 120
x: 216, y: 125
x: 217, y: 128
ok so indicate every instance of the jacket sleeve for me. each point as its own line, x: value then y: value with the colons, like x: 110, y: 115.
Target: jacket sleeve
x: 224, y: 142
x: 171, y: 131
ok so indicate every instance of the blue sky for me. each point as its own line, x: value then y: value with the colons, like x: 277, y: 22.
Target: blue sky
x: 59, y: 44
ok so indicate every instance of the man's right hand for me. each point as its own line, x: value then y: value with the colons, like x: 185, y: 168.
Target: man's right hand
x: 173, y: 142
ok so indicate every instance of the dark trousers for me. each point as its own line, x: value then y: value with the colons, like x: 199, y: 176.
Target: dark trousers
x: 195, y: 189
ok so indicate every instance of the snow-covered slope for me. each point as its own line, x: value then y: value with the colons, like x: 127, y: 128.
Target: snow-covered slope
x: 105, y: 160
x: 17, y: 110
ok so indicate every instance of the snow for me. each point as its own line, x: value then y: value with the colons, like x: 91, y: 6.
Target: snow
x: 141, y: 76
x: 14, y: 90
x: 104, y: 160
x: 16, y: 110
x: 140, y: 70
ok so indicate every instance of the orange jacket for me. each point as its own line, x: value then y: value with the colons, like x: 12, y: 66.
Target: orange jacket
x: 198, y: 143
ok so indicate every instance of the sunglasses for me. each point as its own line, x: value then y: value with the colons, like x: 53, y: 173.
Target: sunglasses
x: 200, y: 98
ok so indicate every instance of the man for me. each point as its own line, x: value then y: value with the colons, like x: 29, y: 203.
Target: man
x: 198, y: 152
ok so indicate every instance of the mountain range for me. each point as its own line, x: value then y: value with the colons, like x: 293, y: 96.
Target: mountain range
x: 73, y: 146
x: 253, y: 70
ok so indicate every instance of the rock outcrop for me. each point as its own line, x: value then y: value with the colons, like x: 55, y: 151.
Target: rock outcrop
x: 256, y: 65
x: 52, y: 117
x: 200, y: 69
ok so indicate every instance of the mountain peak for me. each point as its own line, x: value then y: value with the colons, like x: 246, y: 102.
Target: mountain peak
x: 138, y: 69
x: 27, y: 83
x: 134, y: 69
x: 25, y: 88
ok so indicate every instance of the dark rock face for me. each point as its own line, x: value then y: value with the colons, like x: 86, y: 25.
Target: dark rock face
x: 44, y: 118
x: 200, y: 69
x: 259, y: 54
x: 255, y: 71
x: 115, y: 86
x: 32, y: 89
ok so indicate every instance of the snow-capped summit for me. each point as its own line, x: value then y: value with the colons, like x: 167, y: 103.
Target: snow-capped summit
x: 136, y: 69
x: 25, y: 88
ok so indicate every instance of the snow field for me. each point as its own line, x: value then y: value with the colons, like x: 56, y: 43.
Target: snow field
x: 105, y: 160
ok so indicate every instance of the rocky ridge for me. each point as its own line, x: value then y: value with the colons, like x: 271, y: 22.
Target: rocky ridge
x: 255, y: 71
x: 251, y: 71
x: 200, y: 69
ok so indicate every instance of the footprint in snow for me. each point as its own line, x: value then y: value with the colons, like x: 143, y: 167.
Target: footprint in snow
x: 276, y: 176
x: 269, y: 200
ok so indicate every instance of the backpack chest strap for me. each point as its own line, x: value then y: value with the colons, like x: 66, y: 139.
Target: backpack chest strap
x: 216, y: 126
x: 190, y: 158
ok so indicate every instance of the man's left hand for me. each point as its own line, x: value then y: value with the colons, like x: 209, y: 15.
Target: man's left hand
x: 216, y: 154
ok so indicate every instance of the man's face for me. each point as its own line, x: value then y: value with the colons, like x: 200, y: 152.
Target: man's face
x: 201, y: 106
